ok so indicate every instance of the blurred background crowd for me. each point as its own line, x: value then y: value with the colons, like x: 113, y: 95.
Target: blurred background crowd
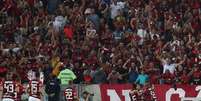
x: 102, y: 41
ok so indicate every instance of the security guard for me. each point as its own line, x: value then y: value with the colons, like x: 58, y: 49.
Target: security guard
x: 53, y: 88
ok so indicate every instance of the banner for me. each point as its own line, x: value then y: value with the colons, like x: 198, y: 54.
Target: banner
x: 168, y: 93
x: 92, y: 89
x: 115, y: 92
x: 120, y: 92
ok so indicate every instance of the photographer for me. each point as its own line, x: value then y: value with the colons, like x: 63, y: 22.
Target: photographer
x: 86, y: 96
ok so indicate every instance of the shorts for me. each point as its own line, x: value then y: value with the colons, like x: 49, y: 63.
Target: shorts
x: 33, y: 99
x: 7, y: 99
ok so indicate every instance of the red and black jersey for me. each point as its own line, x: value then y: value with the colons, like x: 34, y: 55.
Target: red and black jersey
x: 184, y: 79
x: 70, y: 93
x: 196, y: 74
x: 148, y: 93
x: 168, y: 77
x: 9, y: 89
x: 197, y: 58
x: 136, y: 95
x: 34, y: 88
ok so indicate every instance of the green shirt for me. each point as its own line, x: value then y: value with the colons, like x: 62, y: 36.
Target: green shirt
x: 66, y: 75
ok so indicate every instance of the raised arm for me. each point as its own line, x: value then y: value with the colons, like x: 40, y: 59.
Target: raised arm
x: 139, y: 59
x: 181, y: 62
x: 124, y: 66
x: 83, y: 5
x: 159, y: 57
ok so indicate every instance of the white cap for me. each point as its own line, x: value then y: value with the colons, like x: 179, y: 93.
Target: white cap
x: 88, y: 11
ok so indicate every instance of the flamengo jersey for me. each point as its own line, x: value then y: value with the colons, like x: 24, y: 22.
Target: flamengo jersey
x: 34, y: 88
x: 198, y: 59
x: 149, y: 93
x: 9, y: 90
x: 70, y: 93
x: 134, y: 96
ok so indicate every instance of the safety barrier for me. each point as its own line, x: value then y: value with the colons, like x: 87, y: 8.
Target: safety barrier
x: 120, y: 92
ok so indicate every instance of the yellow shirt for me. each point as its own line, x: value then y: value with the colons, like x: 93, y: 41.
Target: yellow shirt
x: 56, y: 69
x: 54, y: 61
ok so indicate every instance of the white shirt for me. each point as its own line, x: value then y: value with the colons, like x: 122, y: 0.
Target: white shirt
x: 59, y: 22
x: 142, y: 33
x: 170, y: 67
x: 116, y: 8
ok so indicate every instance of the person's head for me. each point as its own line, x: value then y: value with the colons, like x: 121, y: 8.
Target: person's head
x: 142, y: 71
x: 151, y: 65
x: 196, y: 68
x: 115, y: 2
x: 57, y: 59
x: 120, y: 62
x: 147, y: 84
x: 180, y: 68
x: 167, y: 71
x: 77, y: 65
x: 133, y: 65
x: 85, y: 94
x: 134, y: 85
x: 9, y: 76
x: 18, y: 80
x: 168, y: 61
x: 138, y: 86
x: 184, y: 72
x: 52, y: 76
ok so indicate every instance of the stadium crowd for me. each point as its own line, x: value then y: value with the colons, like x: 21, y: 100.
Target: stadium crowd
x: 102, y: 41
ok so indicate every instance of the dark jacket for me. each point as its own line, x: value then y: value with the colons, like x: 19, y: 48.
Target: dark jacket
x: 52, y: 87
